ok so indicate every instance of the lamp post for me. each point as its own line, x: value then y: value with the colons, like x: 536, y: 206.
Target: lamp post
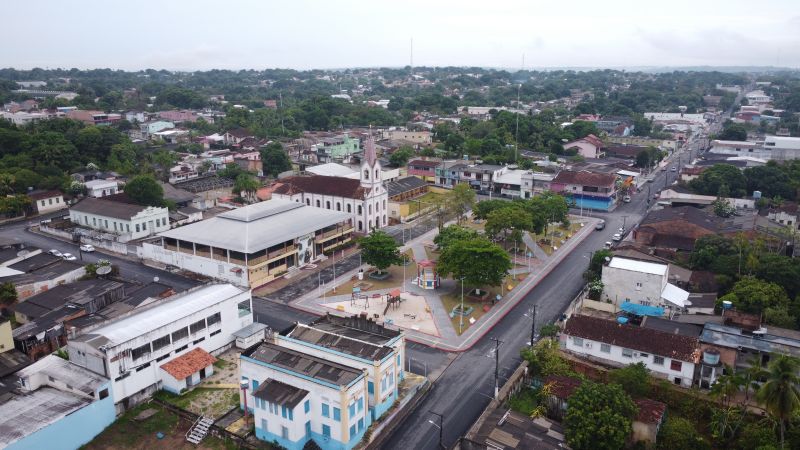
x: 440, y: 426
x: 461, y: 311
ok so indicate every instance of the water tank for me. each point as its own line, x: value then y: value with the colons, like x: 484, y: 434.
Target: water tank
x: 756, y: 195
x: 727, y: 304
x: 711, y: 356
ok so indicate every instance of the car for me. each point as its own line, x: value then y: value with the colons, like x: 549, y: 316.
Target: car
x: 673, y: 169
x: 649, y: 180
x: 608, y: 244
x: 88, y: 248
x: 55, y: 252
x: 600, y: 225
x: 68, y: 256
x: 616, y: 237
x: 626, y: 199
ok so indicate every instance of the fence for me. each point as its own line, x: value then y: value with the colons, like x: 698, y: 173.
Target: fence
x: 68, y: 234
x: 384, y: 430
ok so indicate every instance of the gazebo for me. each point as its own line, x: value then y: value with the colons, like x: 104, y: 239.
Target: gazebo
x: 427, y: 277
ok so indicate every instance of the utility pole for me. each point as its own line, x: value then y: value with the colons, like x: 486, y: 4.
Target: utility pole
x: 516, y: 133
x: 440, y: 427
x: 533, y: 326
x: 624, y: 218
x: 497, y: 343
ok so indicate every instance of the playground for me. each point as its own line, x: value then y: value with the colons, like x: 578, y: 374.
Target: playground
x: 403, y: 309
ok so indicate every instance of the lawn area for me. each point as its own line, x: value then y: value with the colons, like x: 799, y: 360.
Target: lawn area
x: 560, y: 233
x: 395, y: 280
x: 424, y: 201
x: 453, y: 298
x: 128, y: 433
x: 208, y: 402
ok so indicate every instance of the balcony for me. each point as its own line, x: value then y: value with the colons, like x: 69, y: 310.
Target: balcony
x: 275, y: 254
x: 328, y: 235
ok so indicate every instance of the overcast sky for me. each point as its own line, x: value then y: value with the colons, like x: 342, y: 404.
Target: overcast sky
x: 300, y: 34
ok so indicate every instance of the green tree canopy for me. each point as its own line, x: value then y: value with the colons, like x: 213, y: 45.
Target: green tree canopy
x: 711, y: 181
x: 754, y: 296
x: 453, y: 233
x: 502, y: 221
x: 401, y: 156
x: 733, y: 132
x: 484, y: 207
x: 461, y: 199
x: 780, y: 394
x: 599, y: 416
x: 678, y: 432
x: 248, y: 184
x: 478, y: 261
x: 275, y: 160
x: 633, y: 378
x: 145, y: 190
x: 380, y: 250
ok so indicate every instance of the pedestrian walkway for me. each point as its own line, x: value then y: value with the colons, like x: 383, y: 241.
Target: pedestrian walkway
x: 445, y: 336
x: 533, y: 247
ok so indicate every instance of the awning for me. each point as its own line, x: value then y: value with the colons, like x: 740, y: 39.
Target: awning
x: 675, y: 295
x: 642, y: 310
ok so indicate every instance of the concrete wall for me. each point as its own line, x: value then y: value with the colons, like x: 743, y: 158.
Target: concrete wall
x: 619, y: 285
x: 219, y: 270
x: 25, y: 291
x: 6, y: 338
x: 47, y: 205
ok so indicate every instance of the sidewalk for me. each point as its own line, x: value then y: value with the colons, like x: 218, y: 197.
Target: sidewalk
x: 447, y: 338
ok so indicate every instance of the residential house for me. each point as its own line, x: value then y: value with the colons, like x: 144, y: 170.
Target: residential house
x: 125, y: 221
x: 44, y: 202
x: 677, y: 228
x: 54, y: 404
x: 589, y: 190
x: 777, y: 148
x: 589, y: 147
x: 181, y: 116
x: 641, y: 282
x: 365, y: 199
x: 669, y: 356
x: 40, y: 272
x: 101, y: 188
x: 448, y: 173
x: 94, y: 117
x: 253, y: 245
x: 784, y: 214
x: 416, y: 137
x: 424, y: 169
x: 690, y: 173
x: 480, y: 176
x: 341, y: 149
x: 534, y: 183
x: 133, y: 349
x: 624, y: 151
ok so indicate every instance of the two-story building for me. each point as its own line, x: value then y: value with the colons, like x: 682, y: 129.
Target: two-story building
x: 589, y: 190
x: 339, y: 149
x: 534, y: 183
x: 126, y: 221
x: 133, y: 349
x: 101, y: 188
x: 253, y: 245
x: 44, y: 202
x: 480, y: 176
x: 642, y: 282
x: 448, y: 173
x: 589, y: 147
x: 424, y: 169
x: 666, y: 355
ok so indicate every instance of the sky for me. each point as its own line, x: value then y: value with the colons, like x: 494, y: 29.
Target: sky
x: 324, y: 34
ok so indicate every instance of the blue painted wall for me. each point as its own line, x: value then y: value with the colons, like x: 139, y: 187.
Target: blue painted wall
x: 325, y: 443
x: 73, y: 430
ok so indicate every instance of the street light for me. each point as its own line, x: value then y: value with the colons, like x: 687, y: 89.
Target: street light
x: 461, y: 311
x: 440, y: 426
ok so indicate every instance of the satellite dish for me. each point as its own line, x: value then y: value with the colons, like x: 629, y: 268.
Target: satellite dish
x: 22, y: 253
x: 103, y: 270
x: 155, y: 279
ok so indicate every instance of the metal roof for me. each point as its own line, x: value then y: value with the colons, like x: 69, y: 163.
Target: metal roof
x: 304, y: 364
x: 259, y: 226
x: 339, y: 343
x: 637, y: 266
x: 732, y: 337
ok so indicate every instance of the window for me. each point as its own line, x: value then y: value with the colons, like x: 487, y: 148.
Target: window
x: 197, y: 326
x: 283, y: 412
x: 137, y: 227
x: 359, y: 209
x: 163, y: 357
x: 327, y: 205
x: 627, y: 353
x: 144, y: 226
x: 370, y: 387
x: 307, y: 406
x: 360, y: 404
x: 658, y: 360
x: 352, y: 409
x: 578, y: 342
x: 284, y: 432
x: 326, y: 410
x: 182, y: 348
x: 638, y: 285
x: 103, y: 393
x: 349, y: 208
x: 161, y: 342
x: 317, y: 203
x: 271, y: 407
x: 197, y: 341
x: 337, y: 414
x: 140, y: 351
x: 106, y: 222
x: 214, y: 333
x: 675, y: 365
x: 644, y: 355
x: 255, y: 385
x: 326, y: 431
x: 360, y: 424
x: 183, y: 333
x: 214, y: 318
x: 352, y: 430
x: 42, y: 202
x: 128, y: 227
x: 244, y: 308
x: 308, y: 428
x: 264, y: 424
x: 142, y: 367
x: 338, y: 206
x: 605, y: 348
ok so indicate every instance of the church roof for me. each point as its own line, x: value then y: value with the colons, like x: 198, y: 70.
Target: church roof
x: 370, y: 156
x: 320, y: 184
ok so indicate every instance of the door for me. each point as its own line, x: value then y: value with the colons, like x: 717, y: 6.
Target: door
x: 202, y: 373
x: 150, y: 228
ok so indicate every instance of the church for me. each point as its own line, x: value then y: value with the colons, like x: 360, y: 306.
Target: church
x: 365, y: 198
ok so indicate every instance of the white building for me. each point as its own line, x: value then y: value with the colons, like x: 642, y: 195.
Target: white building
x: 101, y: 188
x: 126, y: 221
x: 365, y: 200
x: 133, y: 349
x: 340, y: 170
x: 641, y: 282
x: 47, y: 201
x: 757, y: 97
x: 417, y: 137
x: 777, y: 148
x: 253, y: 245
x: 535, y: 183
x: 666, y: 355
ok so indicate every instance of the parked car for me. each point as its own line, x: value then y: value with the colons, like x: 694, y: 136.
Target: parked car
x: 88, y: 248
x: 55, y: 252
x: 626, y: 199
x: 608, y: 244
x: 600, y: 225
x: 673, y: 168
x: 68, y: 256
x: 616, y: 237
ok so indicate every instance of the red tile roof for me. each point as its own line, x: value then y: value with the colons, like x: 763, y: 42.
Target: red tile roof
x: 650, y: 411
x: 594, y: 140
x: 44, y: 194
x: 189, y: 363
x: 424, y: 163
x: 683, y: 348
x: 585, y: 178
x: 562, y: 386
x: 320, y: 184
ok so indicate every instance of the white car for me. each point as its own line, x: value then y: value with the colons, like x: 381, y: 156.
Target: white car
x: 88, y: 248
x: 55, y: 252
x: 68, y: 256
x: 626, y: 199
x: 616, y: 237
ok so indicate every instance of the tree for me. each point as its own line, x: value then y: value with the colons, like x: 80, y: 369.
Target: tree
x: 503, y: 220
x: 274, y: 160
x: 8, y: 294
x: 380, y: 250
x: 754, y: 296
x: 453, y: 233
x: 248, y: 184
x: 461, y: 199
x: 643, y: 159
x: 401, y: 156
x: 757, y: 435
x: 482, y: 209
x: 545, y: 359
x: 678, y: 432
x: 478, y: 261
x: 145, y: 190
x: 595, y: 270
x: 633, y: 378
x: 599, y: 416
x: 722, y: 208
x: 122, y: 158
x: 710, y: 181
x: 733, y: 132
x: 780, y: 394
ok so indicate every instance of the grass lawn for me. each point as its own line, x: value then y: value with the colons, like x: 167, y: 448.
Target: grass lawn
x: 395, y: 280
x: 424, y: 201
x: 470, y: 223
x: 128, y: 433
x: 208, y: 402
x: 559, y: 233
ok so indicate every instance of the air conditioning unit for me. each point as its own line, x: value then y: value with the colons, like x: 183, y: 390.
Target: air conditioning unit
x: 588, y: 345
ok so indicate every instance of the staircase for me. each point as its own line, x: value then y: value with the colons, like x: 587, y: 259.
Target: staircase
x: 199, y: 430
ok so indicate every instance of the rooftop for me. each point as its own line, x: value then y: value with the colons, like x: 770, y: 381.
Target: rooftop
x: 283, y: 394
x: 356, y: 327
x: 320, y: 184
x: 303, y: 364
x: 732, y: 337
x: 657, y: 342
x: 637, y: 266
x: 259, y: 226
x: 107, y: 208
x: 585, y: 178
x: 507, y: 429
x: 339, y: 343
x: 78, y: 293
x: 404, y: 185
x: 672, y: 327
x: 185, y: 365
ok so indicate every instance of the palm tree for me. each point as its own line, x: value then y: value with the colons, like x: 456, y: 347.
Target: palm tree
x: 780, y: 394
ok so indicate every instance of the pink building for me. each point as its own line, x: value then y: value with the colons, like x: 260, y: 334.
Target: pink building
x: 589, y: 147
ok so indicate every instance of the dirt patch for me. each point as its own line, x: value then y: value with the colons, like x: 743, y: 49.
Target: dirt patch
x: 208, y: 402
